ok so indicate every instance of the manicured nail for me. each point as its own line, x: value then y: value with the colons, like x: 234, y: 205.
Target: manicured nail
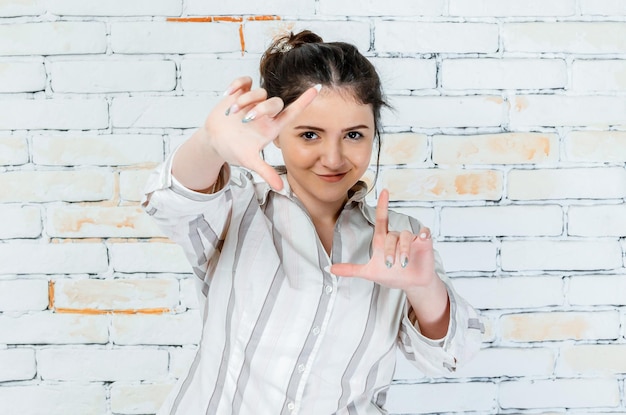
x: 227, y: 92
x: 232, y: 109
x: 249, y: 117
x: 423, y: 235
x: 318, y: 87
x: 389, y: 262
x: 404, y: 261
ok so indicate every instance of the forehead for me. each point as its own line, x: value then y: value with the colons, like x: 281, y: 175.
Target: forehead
x: 336, y: 108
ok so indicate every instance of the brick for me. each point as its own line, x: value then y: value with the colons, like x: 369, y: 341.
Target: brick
x: 202, y: 74
x: 445, y: 111
x: 467, y: 256
x: 189, y: 293
x: 117, y: 294
x: 23, y: 295
x: 457, y: 74
x: 443, y: 184
x: 506, y: 148
x: 17, y: 364
x: 279, y: 7
x: 174, y: 37
x: 377, y: 8
x: 22, y: 76
x: 14, y: 8
x: 98, y: 365
x: 567, y: 183
x: 469, y: 396
x: 574, y: 111
x: 100, y: 76
x: 181, y: 359
x: 49, y: 328
x: 65, y: 399
x: 17, y: 221
x: 148, y: 257
x: 585, y: 75
x: 555, y: 255
x: 406, y: 73
x: 599, y: 146
x: 511, y: 292
x: 115, y: 8
x: 559, y: 393
x: 403, y: 148
x: 39, y: 258
x: 560, y: 325
x: 53, y: 114
x: 592, y: 290
x: 62, y: 38
x: 162, y: 329
x: 605, y: 359
x: 568, y: 37
x: 97, y: 150
x: 132, y: 183
x: 161, y: 112
x: 427, y: 216
x: 511, y: 8
x: 509, y: 362
x: 99, y: 221
x: 603, y: 7
x: 140, y: 399
x: 608, y: 220
x: 431, y: 37
x: 258, y: 35
x: 509, y: 220
x: 56, y: 185
x: 13, y: 150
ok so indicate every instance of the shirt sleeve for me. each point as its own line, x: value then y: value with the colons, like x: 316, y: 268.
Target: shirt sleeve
x: 462, y: 341
x: 196, y: 221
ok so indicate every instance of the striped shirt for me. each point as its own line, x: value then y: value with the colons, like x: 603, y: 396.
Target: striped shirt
x: 281, y: 335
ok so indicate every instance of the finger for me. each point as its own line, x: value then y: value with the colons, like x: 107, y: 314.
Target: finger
x: 404, y: 246
x: 296, y: 107
x: 425, y: 234
x: 247, y: 99
x: 348, y: 270
x: 242, y: 83
x: 267, y: 172
x: 270, y: 107
x: 382, y: 219
x: 391, y: 247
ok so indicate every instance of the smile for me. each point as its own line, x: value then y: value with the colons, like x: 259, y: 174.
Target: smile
x: 332, y: 178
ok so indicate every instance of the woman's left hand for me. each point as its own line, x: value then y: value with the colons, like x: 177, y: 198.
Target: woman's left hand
x: 399, y: 259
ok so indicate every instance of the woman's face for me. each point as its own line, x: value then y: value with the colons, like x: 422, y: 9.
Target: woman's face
x: 327, y: 148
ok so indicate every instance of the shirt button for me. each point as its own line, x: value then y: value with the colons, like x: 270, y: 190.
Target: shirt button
x: 329, y: 289
x: 301, y: 368
x: 290, y: 406
x: 316, y: 330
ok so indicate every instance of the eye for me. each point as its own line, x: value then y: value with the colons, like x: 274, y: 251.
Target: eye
x: 354, y: 135
x: 309, y: 135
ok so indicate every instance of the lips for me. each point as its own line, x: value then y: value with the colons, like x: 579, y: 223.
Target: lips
x: 332, y: 178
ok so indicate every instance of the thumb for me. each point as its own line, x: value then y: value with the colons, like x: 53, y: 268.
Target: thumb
x: 348, y: 270
x: 268, y: 173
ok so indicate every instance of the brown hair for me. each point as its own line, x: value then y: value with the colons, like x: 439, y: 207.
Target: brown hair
x: 295, y: 62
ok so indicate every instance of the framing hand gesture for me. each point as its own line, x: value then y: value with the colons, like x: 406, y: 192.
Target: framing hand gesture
x: 399, y: 259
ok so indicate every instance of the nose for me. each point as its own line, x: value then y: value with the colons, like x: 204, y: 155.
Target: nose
x: 333, y: 154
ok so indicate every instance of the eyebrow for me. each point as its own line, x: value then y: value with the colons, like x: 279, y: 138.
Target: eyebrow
x: 312, y: 128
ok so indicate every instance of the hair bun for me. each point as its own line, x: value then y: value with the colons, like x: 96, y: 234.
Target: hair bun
x: 289, y: 41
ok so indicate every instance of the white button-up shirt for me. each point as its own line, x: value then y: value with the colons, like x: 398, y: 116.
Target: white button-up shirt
x: 281, y: 335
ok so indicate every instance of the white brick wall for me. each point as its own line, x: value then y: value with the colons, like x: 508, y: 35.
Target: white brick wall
x: 507, y: 137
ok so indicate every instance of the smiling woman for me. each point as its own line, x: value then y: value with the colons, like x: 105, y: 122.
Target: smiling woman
x: 306, y: 291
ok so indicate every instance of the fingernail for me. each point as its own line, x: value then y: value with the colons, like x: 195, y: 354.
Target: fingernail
x: 423, y: 235
x: 232, y: 110
x: 228, y: 91
x: 404, y: 261
x: 249, y: 117
x: 389, y: 262
x: 318, y: 87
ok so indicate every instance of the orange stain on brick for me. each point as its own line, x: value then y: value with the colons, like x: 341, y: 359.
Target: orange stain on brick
x: 521, y: 103
x: 475, y: 184
x: 228, y: 19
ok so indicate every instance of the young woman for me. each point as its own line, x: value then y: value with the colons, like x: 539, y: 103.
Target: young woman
x: 306, y: 291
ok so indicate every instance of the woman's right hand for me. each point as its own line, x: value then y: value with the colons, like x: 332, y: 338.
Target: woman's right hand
x: 246, y: 121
